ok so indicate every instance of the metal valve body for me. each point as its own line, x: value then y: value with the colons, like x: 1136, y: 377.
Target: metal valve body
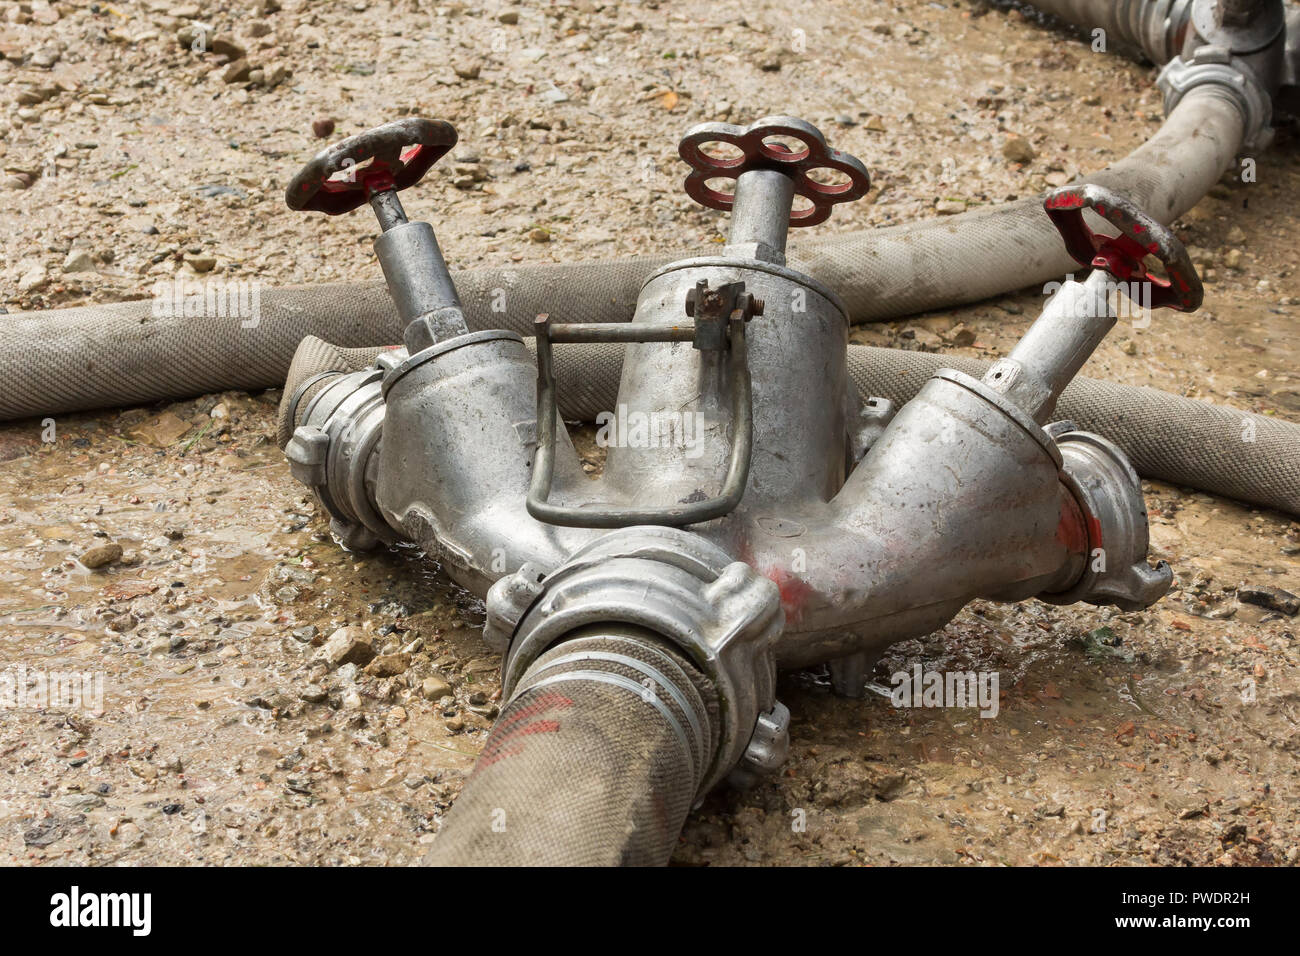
x: 755, y: 511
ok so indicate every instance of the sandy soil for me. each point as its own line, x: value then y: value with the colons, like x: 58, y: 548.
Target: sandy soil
x: 1166, y: 736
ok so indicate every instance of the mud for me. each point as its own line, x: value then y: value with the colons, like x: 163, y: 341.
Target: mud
x: 1165, y: 736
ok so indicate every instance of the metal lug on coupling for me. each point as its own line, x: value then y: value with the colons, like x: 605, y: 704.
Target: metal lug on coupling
x: 767, y: 751
x: 306, y: 452
x: 507, y: 601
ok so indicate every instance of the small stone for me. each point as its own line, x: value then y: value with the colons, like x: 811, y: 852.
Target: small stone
x: 258, y: 28
x: 314, y: 694
x: 1232, y: 259
x: 950, y: 207
x: 435, y: 688
x: 508, y: 17
x: 80, y: 802
x: 322, y: 126
x: 467, y: 70
x: 1018, y: 149
x: 1128, y: 347
x: 389, y: 665
x: 348, y: 645
x: 33, y: 280
x: 237, y: 72
x: 305, y: 634
x: 1272, y: 599
x: 79, y: 260
x: 540, y: 235
x: 961, y: 336
x: 101, y: 555
x: 16, y: 182
x: 201, y: 263
x: 229, y: 48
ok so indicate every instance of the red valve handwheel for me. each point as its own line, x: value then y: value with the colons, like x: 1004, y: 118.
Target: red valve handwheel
x: 1122, y: 256
x: 344, y: 176
x: 757, y: 153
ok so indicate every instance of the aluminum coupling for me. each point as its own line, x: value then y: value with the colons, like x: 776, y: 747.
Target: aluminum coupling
x: 722, y: 614
x: 1109, y: 494
x: 333, y: 452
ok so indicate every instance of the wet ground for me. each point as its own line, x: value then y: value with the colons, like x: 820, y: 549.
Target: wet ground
x: 223, y: 735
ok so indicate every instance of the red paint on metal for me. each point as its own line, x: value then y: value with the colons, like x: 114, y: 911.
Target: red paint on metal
x: 794, y: 592
x: 1072, y: 532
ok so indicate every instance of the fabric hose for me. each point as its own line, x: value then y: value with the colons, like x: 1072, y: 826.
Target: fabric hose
x: 594, y: 761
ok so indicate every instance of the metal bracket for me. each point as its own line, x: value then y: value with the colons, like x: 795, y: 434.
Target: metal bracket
x: 719, y: 324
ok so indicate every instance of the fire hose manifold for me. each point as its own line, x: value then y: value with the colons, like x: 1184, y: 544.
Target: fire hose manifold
x: 642, y: 618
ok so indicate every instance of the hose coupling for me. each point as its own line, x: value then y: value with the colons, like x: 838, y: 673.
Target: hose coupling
x: 721, y: 614
x: 1109, y: 494
x: 1233, y: 76
x: 333, y: 452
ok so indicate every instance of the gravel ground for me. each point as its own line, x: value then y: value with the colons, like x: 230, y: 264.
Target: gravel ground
x: 268, y: 698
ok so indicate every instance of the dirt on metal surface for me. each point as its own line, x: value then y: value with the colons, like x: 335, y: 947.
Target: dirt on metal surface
x: 238, y: 725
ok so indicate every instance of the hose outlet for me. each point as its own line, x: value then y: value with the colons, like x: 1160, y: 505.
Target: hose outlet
x: 721, y: 614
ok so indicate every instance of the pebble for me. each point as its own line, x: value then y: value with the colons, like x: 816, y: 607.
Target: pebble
x: 1018, y: 149
x: 237, y: 72
x: 468, y: 70
x: 101, y: 555
x: 348, y: 645
x: 389, y: 665
x: 322, y: 126
x: 950, y: 207
x: 79, y: 260
x: 435, y: 688
x: 225, y: 46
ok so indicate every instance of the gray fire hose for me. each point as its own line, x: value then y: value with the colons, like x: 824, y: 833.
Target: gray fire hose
x: 621, y: 725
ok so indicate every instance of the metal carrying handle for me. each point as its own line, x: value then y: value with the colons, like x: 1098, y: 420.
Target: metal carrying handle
x: 758, y: 153
x: 387, y: 158
x: 1122, y: 255
x: 742, y: 417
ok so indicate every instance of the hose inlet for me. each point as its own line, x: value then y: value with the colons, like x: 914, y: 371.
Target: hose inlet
x: 594, y: 761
